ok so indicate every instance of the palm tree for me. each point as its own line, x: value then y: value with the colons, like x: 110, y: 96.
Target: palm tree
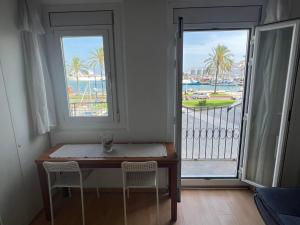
x: 219, y: 60
x: 76, y: 67
x: 97, y: 59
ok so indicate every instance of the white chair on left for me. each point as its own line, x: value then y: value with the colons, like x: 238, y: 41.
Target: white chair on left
x: 68, y: 175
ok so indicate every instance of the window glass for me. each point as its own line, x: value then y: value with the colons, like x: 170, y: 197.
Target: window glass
x: 84, y: 65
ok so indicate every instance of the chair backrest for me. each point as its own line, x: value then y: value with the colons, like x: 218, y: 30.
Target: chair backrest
x: 148, y: 166
x: 69, y: 166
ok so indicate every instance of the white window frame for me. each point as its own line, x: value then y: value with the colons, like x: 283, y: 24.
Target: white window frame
x: 118, y: 73
x: 279, y: 152
x: 187, y: 182
x: 106, y: 33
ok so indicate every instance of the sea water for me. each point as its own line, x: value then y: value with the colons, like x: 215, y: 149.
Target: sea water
x: 95, y: 86
x: 202, y: 87
x: 100, y: 86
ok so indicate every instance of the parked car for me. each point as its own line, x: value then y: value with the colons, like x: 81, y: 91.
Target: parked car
x: 200, y: 96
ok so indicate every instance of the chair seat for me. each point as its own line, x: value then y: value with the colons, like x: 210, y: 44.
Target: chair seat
x: 140, y: 179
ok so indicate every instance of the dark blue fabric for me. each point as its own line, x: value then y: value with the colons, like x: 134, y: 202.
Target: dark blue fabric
x: 267, y: 217
x: 286, y: 219
x: 281, y: 204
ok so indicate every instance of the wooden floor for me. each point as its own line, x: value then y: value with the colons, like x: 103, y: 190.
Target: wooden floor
x: 198, y: 207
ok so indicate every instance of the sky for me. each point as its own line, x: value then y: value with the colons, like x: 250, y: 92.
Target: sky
x: 80, y: 47
x: 198, y: 44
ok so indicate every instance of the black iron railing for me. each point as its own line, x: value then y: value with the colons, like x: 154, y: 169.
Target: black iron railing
x: 211, y: 133
x: 88, y: 109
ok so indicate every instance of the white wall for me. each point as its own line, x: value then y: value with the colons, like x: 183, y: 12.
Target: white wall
x: 25, y: 147
x: 149, y: 63
x: 145, y: 47
x: 148, y: 70
x: 291, y: 171
x: 10, y: 172
x: 144, y: 40
x: 295, y: 13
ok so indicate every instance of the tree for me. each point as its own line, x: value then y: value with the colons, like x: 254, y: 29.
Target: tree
x: 76, y: 68
x: 97, y: 59
x: 219, y: 61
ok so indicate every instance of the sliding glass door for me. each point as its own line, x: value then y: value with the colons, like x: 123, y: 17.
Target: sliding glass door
x: 272, y: 77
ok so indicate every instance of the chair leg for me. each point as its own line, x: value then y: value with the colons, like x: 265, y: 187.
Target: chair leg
x: 51, y: 207
x: 50, y: 199
x: 124, y: 202
x: 69, y: 192
x: 82, y: 206
x: 157, y: 206
x: 128, y: 192
x: 98, y: 194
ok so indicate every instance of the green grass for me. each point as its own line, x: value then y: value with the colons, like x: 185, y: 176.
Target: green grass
x: 100, y: 106
x: 207, y: 103
x: 219, y: 95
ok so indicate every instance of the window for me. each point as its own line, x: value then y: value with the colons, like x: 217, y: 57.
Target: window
x: 213, y: 81
x: 86, y: 56
x: 85, y: 66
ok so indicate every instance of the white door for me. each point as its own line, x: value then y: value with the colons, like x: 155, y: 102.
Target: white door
x: 271, y: 86
x: 12, y: 209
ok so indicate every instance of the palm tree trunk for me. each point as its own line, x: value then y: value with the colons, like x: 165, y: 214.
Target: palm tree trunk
x: 77, y: 81
x: 216, y: 78
x: 102, y: 88
x: 95, y: 84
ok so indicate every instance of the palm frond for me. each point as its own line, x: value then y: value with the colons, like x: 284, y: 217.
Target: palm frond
x: 219, y: 60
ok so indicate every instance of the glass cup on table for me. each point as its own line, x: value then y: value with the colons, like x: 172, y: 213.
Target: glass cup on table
x: 107, y: 140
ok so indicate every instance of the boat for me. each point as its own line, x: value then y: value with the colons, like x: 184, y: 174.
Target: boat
x: 190, y: 82
x: 224, y: 83
x: 205, y: 81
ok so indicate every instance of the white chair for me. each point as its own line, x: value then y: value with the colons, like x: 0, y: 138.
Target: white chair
x: 68, y: 174
x: 140, y: 175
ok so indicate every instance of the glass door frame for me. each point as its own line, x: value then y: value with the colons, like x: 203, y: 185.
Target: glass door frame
x: 286, y: 103
x: 231, y: 181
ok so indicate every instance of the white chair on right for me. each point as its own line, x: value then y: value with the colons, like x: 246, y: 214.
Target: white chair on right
x: 140, y: 175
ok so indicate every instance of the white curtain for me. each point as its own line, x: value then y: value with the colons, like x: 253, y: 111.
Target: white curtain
x: 278, y: 10
x: 37, y: 75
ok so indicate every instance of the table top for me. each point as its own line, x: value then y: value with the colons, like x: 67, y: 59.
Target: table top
x: 170, y: 158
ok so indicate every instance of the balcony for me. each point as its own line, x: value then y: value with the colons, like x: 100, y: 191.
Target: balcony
x: 210, y: 141
x: 210, y: 137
